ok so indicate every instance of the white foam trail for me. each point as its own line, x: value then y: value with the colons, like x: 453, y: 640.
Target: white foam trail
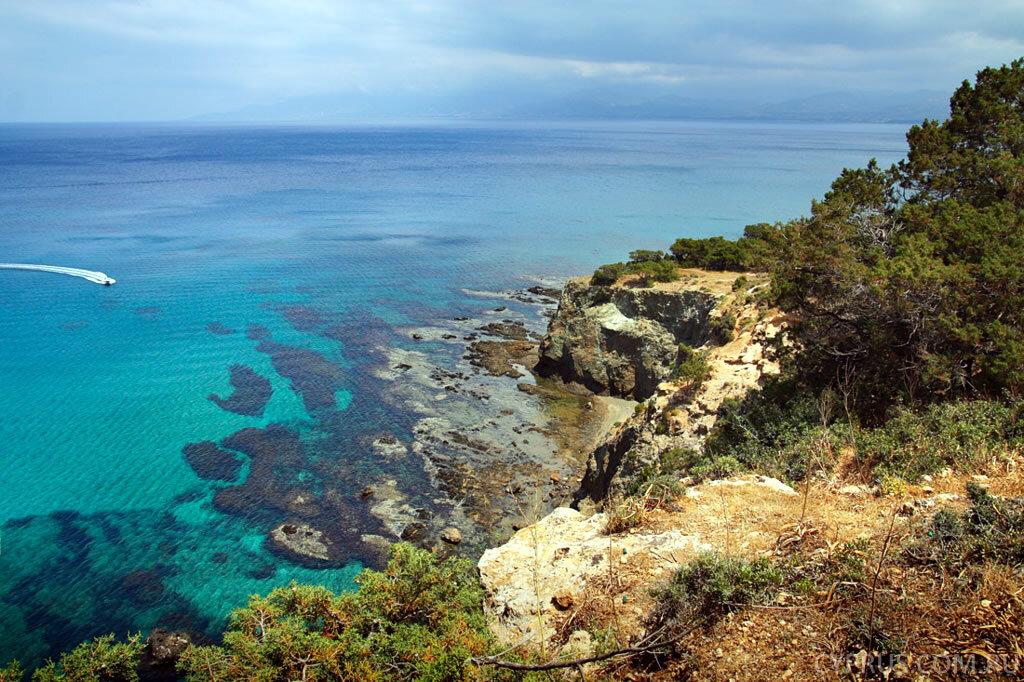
x: 92, y: 276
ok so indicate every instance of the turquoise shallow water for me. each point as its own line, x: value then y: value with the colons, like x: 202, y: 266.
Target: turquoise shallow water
x: 328, y: 238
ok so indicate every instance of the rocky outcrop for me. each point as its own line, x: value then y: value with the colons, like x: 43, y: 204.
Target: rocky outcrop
x: 305, y: 545
x: 541, y: 580
x: 163, y: 650
x: 681, y: 415
x: 622, y: 341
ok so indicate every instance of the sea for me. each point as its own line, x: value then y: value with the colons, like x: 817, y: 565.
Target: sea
x: 263, y: 275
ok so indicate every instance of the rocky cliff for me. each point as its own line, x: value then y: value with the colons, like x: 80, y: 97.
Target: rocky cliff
x: 623, y: 341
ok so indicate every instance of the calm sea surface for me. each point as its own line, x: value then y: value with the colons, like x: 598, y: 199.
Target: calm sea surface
x: 296, y: 253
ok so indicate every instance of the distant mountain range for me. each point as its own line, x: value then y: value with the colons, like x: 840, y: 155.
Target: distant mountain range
x: 608, y: 103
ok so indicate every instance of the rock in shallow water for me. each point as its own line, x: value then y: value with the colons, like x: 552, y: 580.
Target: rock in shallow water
x: 451, y: 535
x: 303, y: 544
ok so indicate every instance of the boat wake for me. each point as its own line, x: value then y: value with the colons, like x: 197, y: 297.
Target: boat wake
x: 92, y: 276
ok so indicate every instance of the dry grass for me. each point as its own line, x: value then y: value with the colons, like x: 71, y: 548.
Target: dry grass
x: 935, y: 620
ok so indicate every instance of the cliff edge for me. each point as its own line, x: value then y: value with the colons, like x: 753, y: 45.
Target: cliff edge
x: 621, y: 340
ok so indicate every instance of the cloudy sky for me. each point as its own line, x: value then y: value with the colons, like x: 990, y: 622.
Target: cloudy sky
x: 75, y: 60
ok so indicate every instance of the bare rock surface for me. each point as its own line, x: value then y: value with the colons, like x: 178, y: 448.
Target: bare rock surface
x: 622, y: 341
x: 565, y: 562
x: 303, y: 544
x: 546, y: 567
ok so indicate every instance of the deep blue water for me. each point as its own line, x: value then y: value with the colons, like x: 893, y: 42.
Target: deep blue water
x: 332, y: 239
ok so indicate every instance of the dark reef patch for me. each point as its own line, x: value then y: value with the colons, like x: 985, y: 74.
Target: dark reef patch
x: 210, y: 462
x: 148, y: 310
x: 144, y: 587
x: 362, y: 332
x: 276, y: 460
x: 312, y: 376
x: 288, y: 485
x: 251, y: 394
x: 303, y: 319
x: 257, y: 332
x: 220, y: 329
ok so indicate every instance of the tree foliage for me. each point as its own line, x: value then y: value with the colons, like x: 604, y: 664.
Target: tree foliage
x: 420, y: 619
x: 910, y: 278
x: 100, y: 660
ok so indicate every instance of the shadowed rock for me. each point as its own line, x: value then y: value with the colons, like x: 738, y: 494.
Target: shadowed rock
x: 621, y: 341
x: 162, y: 651
x: 210, y: 462
x: 251, y: 394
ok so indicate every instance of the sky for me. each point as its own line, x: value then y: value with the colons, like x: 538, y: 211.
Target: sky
x: 165, y: 60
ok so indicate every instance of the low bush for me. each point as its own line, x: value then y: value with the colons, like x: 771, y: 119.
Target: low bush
x: 958, y: 434
x: 627, y: 515
x: 99, y: 660
x: 691, y: 367
x: 722, y: 329
x: 991, y: 529
x: 651, y: 268
x: 608, y: 274
x: 712, y: 585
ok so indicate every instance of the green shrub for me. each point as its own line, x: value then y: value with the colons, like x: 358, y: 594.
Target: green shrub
x: 609, y: 274
x: 722, y: 329
x: 691, y: 367
x: 990, y: 530
x: 98, y: 660
x: 649, y: 483
x: 655, y: 271
x: 421, y: 616
x: 715, y: 468
x: 712, y: 585
x: 11, y: 672
x: 772, y: 430
x: 958, y: 434
x: 644, y: 256
x: 740, y: 283
x: 677, y: 459
x: 714, y: 253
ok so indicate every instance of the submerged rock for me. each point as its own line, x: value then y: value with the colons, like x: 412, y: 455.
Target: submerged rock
x: 451, y: 535
x: 303, y: 544
x: 210, y: 462
x: 251, y: 394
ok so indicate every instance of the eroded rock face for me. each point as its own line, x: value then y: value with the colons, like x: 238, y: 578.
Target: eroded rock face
x: 621, y: 341
x: 681, y: 416
x: 565, y: 564
x: 547, y: 567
